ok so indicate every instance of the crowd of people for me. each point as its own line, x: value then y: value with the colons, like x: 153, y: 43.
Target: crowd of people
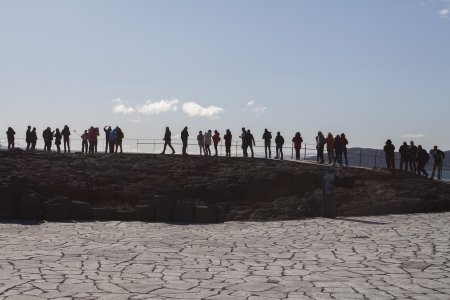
x: 89, y: 139
x: 414, y: 158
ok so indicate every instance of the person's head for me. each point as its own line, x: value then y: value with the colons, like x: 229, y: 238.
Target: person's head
x: 109, y: 127
x: 388, y: 142
x: 265, y: 130
x: 435, y: 147
x: 278, y: 133
x: 419, y: 147
x: 200, y: 132
x: 297, y: 134
x: 92, y: 127
x: 65, y: 126
x: 29, y: 127
x: 167, y: 128
x: 338, y: 137
x: 405, y: 144
x: 228, y: 130
x: 9, y: 128
x: 248, y: 131
x: 57, y: 130
x: 215, y: 131
x: 185, y: 127
x: 34, y: 128
x: 243, y: 129
x: 85, y: 131
x: 209, y: 131
x: 48, y: 128
x: 342, y: 135
x: 411, y: 143
x: 329, y: 134
x: 319, y: 133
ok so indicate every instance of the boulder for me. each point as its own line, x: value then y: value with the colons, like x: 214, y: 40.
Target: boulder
x: 103, y: 213
x: 30, y: 207
x: 184, y: 213
x: 9, y: 202
x: 144, y: 212
x: 54, y: 211
x: 205, y: 214
x: 164, y: 207
x: 80, y: 210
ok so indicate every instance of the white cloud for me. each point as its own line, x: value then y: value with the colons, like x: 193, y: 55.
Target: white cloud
x: 121, y: 107
x: 414, y: 136
x: 444, y: 13
x: 256, y: 108
x: 157, y: 107
x: 193, y: 109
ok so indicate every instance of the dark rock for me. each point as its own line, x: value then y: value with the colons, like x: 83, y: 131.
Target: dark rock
x: 30, y: 207
x: 80, y: 210
x: 55, y: 211
x: 103, y: 214
x: 144, y: 212
x: 205, y: 214
x: 220, y: 214
x: 164, y: 207
x: 9, y: 202
x: 126, y: 215
x: 184, y: 212
x: 20, y: 184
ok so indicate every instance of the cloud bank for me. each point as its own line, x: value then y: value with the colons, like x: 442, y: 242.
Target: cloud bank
x: 444, y: 13
x: 256, y: 108
x: 191, y: 109
x: 414, y: 136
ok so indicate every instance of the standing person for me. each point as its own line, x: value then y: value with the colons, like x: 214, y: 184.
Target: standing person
x: 201, y: 142
x: 438, y: 157
x: 84, y: 142
x: 279, y: 141
x: 412, y: 153
x: 216, y: 139
x: 33, y: 139
x: 227, y: 137
x: 167, y: 141
x: 250, y: 141
x: 403, y: 150
x: 422, y: 160
x: 267, y: 137
x: 297, y: 140
x: 208, y: 136
x: 28, y: 138
x: 93, y: 134
x: 330, y: 147
x: 389, y: 150
x: 111, y: 139
x: 338, y: 149
x: 119, y: 138
x: 107, y: 130
x: 320, y: 145
x: 47, y: 135
x: 344, y: 143
x: 244, y: 142
x: 58, y: 138
x: 66, y: 138
x: 184, y: 140
x: 10, y: 135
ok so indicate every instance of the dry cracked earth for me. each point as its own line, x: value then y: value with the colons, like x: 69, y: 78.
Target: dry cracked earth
x: 383, y: 257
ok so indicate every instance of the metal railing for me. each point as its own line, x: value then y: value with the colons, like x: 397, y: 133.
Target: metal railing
x: 356, y: 156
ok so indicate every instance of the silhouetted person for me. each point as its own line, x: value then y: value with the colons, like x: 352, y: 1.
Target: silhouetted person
x: 66, y: 138
x: 184, y: 140
x: 208, y: 136
x: 412, y: 153
x: 344, y: 143
x: 167, y: 141
x: 228, y: 137
x: 422, y: 160
x: 297, y: 140
x: 107, y: 130
x: 244, y: 142
x: 438, y: 157
x: 58, y: 138
x: 201, y: 142
x: 330, y: 147
x: 47, y: 135
x: 320, y: 145
x: 119, y: 138
x: 267, y: 137
x: 216, y: 139
x: 389, y: 150
x: 84, y: 142
x: 111, y: 139
x: 338, y: 149
x: 279, y: 142
x: 33, y: 139
x: 250, y: 141
x: 10, y: 135
x: 403, y: 150
x: 93, y: 134
x: 28, y: 138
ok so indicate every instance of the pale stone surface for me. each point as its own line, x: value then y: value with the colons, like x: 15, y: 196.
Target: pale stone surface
x: 386, y: 257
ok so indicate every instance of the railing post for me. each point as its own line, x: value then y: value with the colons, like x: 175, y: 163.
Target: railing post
x: 304, y: 155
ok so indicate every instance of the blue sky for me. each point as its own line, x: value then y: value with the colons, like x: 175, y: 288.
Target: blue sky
x: 372, y: 69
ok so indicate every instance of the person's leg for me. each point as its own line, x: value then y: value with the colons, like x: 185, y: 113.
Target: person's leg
x: 251, y: 149
x: 173, y: 150
x: 215, y: 149
x: 265, y: 149
x: 164, y: 148
x: 345, y: 156
x: 28, y: 146
x: 440, y: 165
x: 330, y: 156
x: 435, y: 165
x: 107, y: 146
x: 281, y: 152
x: 270, y: 151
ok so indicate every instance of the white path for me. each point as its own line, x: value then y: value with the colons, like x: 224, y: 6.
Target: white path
x: 389, y: 257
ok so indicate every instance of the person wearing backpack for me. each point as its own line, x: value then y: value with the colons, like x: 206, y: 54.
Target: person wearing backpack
x: 422, y: 160
x: 216, y: 140
x: 279, y: 142
x: 438, y: 157
x: 47, y: 135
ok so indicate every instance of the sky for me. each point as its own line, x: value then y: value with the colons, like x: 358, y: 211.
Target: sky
x: 372, y: 69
